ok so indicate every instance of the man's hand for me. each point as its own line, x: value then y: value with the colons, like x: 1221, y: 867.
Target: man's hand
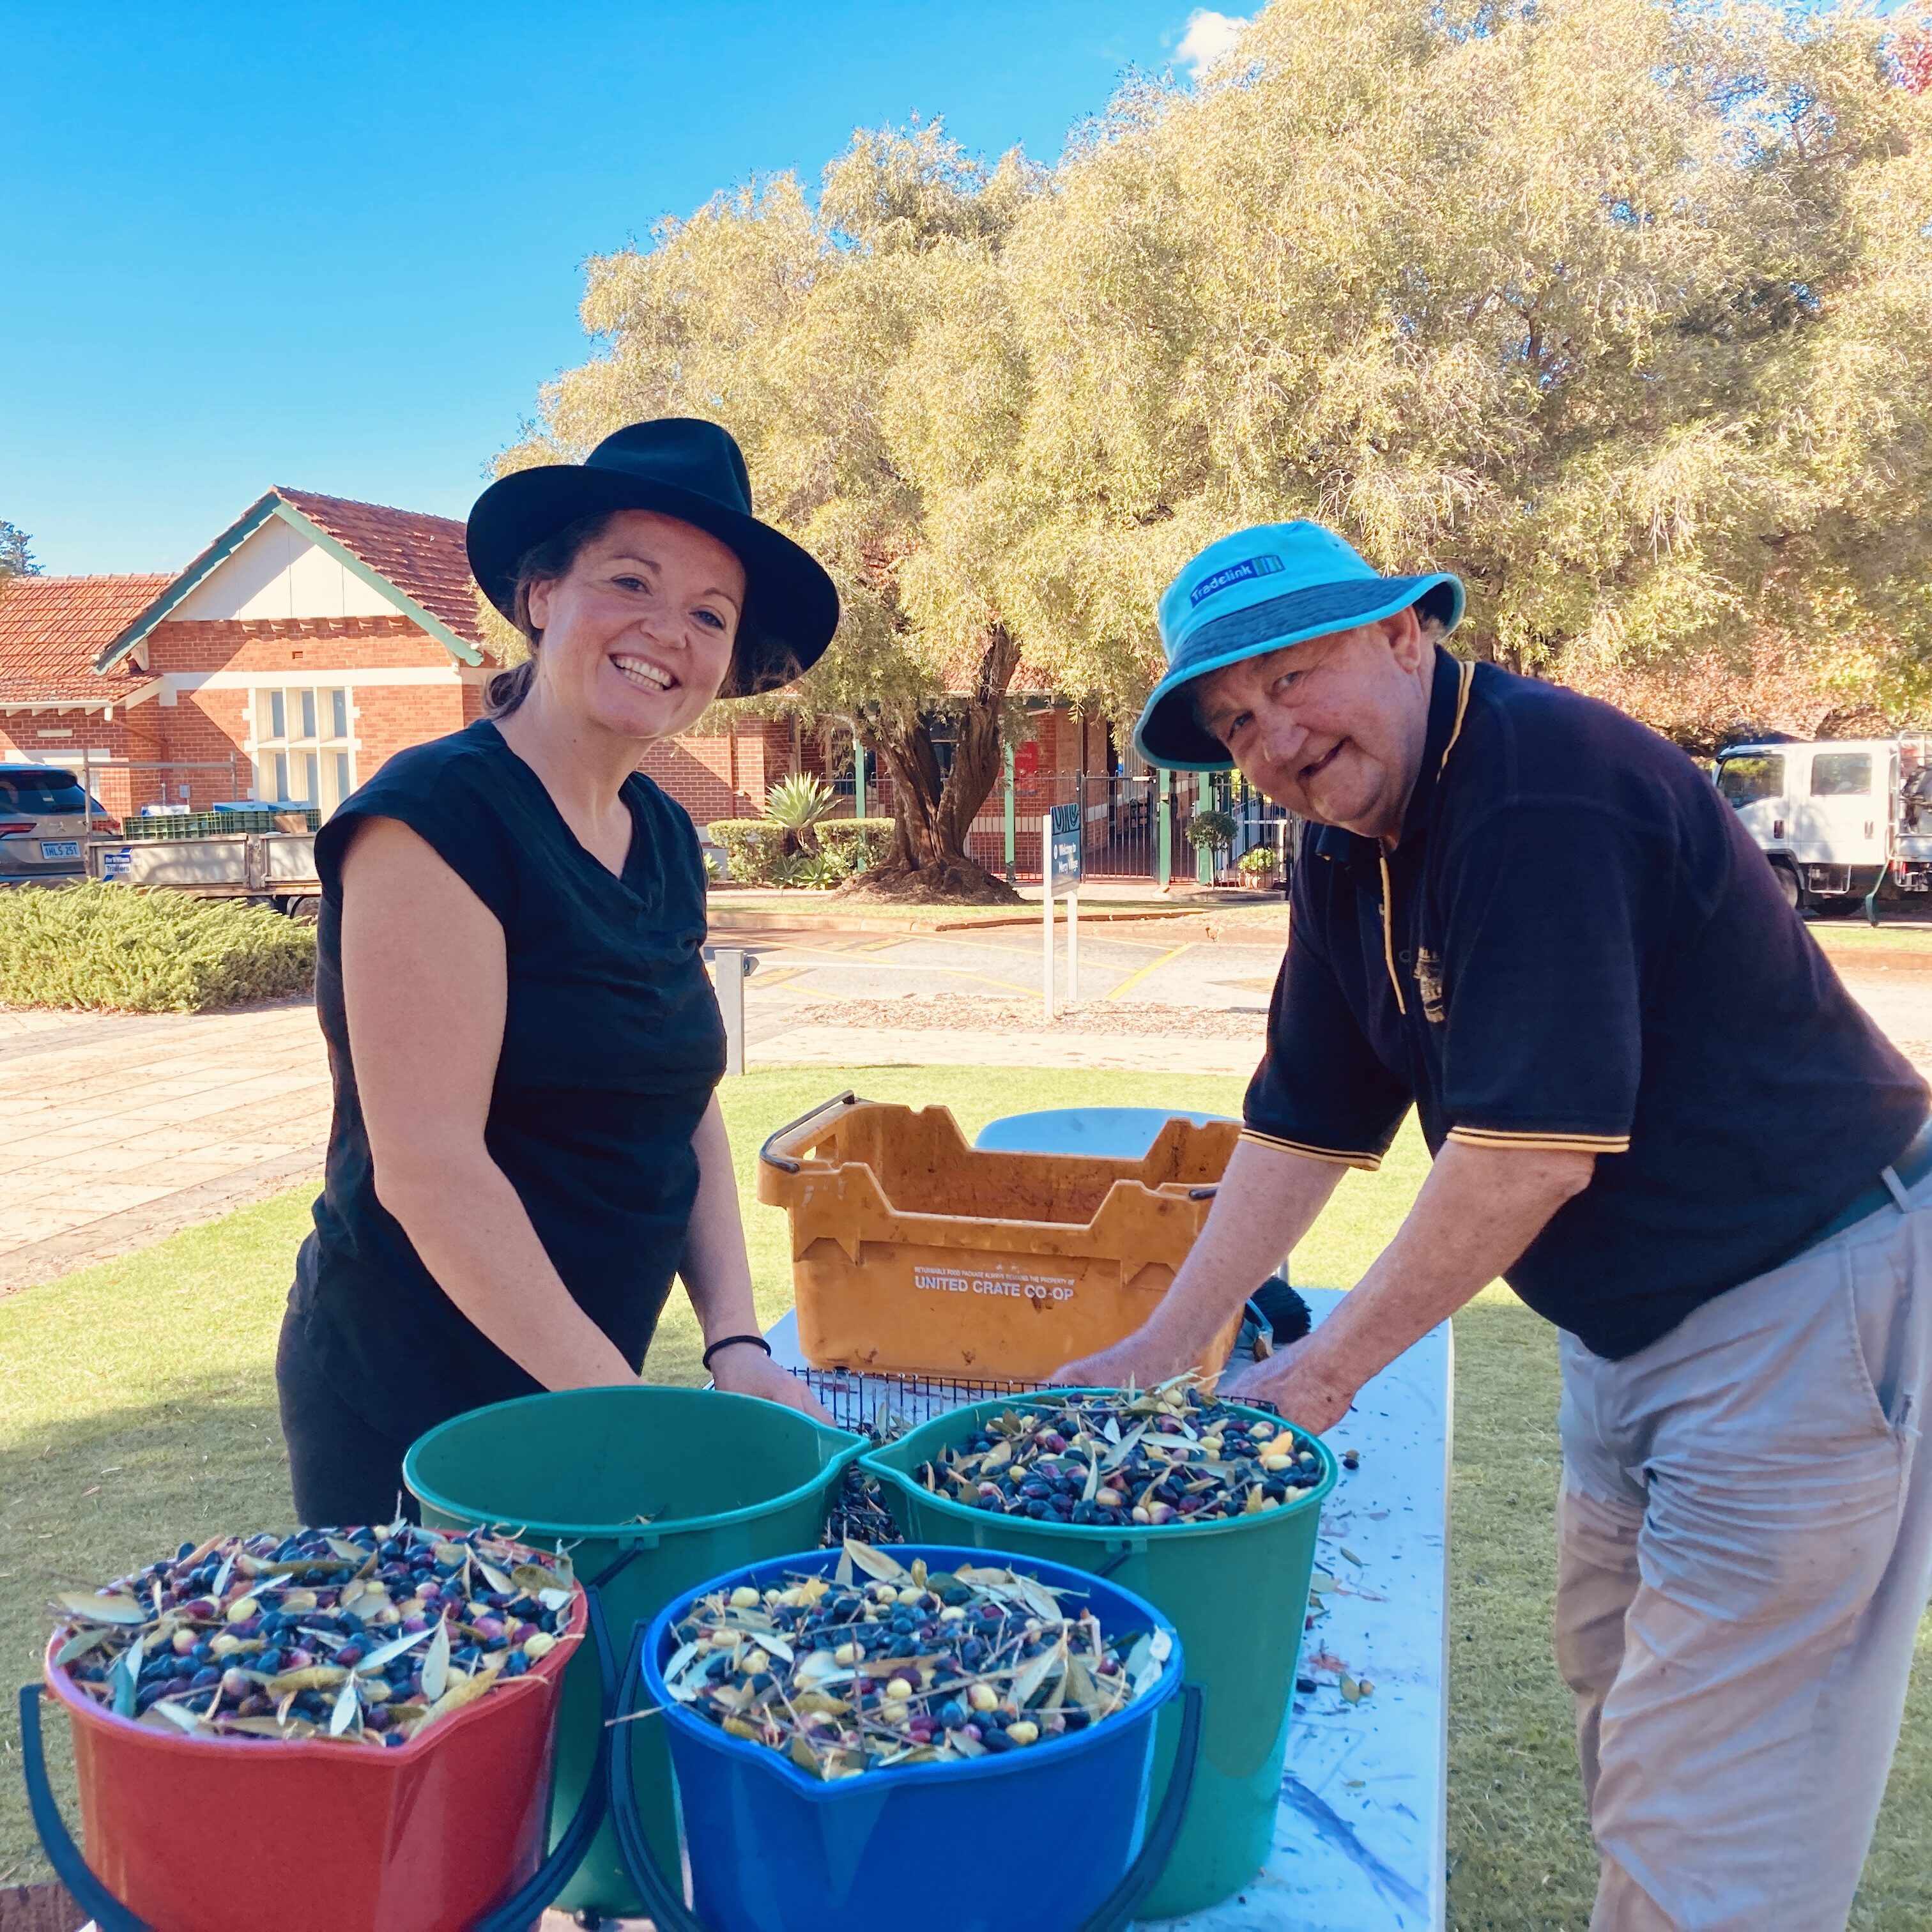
x: 1268, y: 1199
x: 1298, y: 1383
x: 745, y: 1370
x: 1141, y: 1360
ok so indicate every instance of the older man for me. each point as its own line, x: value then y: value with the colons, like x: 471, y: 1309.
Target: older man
x: 1654, y: 1111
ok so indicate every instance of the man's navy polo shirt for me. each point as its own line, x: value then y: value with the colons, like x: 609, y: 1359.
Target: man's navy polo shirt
x: 1575, y: 944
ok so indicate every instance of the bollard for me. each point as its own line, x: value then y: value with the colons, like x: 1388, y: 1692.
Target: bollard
x: 731, y: 966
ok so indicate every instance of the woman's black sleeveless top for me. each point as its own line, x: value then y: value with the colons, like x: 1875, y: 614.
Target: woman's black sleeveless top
x: 612, y: 1047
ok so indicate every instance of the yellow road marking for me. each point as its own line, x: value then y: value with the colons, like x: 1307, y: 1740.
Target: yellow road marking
x: 1152, y: 966
x: 810, y: 992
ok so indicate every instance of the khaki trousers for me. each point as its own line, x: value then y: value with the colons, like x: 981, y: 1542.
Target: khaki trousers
x: 1744, y: 1552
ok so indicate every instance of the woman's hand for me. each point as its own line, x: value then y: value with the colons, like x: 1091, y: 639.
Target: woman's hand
x: 744, y: 1370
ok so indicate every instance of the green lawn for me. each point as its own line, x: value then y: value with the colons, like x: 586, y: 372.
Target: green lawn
x: 139, y: 1409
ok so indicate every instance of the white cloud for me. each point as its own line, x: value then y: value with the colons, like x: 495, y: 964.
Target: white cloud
x: 1210, y: 39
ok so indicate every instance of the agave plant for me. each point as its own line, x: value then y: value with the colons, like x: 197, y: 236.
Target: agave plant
x: 798, y: 804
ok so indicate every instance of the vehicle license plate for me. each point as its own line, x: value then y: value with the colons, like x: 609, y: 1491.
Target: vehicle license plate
x: 59, y: 848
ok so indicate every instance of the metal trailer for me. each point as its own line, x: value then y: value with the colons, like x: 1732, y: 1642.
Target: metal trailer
x: 275, y: 868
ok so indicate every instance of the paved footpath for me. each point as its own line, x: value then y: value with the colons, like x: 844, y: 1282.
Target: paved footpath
x: 123, y: 1127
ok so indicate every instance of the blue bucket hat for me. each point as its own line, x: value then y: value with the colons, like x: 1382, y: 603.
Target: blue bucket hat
x: 1251, y: 593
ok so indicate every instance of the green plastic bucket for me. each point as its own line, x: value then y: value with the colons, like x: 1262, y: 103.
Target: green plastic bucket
x: 726, y: 1481
x: 1237, y: 1591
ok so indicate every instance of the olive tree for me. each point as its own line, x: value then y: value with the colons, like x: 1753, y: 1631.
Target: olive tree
x: 860, y: 348
x: 1615, y: 308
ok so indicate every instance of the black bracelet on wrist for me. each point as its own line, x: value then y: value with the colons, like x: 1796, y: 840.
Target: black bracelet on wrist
x: 732, y: 1341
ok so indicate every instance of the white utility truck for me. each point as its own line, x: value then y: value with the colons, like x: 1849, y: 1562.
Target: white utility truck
x: 1839, y: 819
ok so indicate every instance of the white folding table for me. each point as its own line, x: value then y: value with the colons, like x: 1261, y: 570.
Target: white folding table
x: 1360, y: 1841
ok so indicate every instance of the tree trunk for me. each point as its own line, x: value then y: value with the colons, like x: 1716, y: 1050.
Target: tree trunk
x: 928, y: 859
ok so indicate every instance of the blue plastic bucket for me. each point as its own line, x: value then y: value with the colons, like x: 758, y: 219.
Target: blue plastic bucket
x: 1054, y: 1836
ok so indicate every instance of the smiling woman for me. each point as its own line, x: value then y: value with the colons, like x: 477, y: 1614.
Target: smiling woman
x: 526, y: 1144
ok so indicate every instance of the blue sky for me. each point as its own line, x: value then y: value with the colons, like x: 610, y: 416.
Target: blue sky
x: 338, y: 247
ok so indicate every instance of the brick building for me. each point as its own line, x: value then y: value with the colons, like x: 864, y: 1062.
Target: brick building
x: 312, y: 639
x: 315, y: 637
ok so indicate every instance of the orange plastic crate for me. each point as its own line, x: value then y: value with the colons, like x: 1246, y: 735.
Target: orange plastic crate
x: 914, y: 1253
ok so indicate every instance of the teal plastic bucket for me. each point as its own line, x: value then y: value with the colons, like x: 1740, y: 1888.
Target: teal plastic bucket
x: 724, y: 1480
x: 1236, y: 1591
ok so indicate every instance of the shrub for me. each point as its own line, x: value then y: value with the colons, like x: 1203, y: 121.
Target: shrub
x: 116, y: 945
x: 1258, y: 860
x: 821, y: 870
x: 860, y: 842
x: 753, y: 848
x: 1215, y: 830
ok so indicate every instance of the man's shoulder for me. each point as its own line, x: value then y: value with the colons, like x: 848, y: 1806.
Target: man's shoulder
x: 1524, y: 740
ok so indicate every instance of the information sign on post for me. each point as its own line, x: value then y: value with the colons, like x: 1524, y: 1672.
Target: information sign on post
x: 1061, y: 873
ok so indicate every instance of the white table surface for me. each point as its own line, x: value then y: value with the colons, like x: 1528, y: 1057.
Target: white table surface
x: 1360, y: 1841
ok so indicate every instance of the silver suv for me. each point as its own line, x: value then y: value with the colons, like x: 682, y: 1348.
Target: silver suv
x: 43, y: 819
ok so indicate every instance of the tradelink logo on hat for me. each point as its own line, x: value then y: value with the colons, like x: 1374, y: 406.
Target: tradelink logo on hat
x: 1255, y: 592
x: 1235, y: 573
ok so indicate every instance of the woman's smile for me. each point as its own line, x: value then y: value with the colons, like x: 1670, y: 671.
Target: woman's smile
x: 644, y: 674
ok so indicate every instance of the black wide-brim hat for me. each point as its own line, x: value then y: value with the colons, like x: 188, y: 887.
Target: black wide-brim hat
x: 683, y: 467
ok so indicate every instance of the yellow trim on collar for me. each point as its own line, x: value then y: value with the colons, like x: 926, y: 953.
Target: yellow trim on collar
x: 1534, y: 1137
x: 1466, y: 668
x: 1339, y: 1157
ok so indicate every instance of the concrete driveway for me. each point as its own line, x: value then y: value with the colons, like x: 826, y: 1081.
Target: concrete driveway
x: 123, y: 1127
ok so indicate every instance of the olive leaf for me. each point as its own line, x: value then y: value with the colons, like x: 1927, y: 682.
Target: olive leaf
x: 1033, y: 1675
x: 436, y: 1663
x: 875, y: 1562
x: 118, y: 1608
x: 126, y: 1677
x: 462, y: 1690
x: 348, y: 1707
x: 79, y: 1646
x: 386, y: 1654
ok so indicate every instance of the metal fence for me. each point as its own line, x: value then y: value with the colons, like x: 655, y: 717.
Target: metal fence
x: 1121, y: 817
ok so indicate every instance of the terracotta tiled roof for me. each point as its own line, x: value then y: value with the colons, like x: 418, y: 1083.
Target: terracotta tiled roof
x: 52, y: 627
x: 422, y: 556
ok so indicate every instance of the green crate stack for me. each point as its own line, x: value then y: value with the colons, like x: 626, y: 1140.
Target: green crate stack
x: 211, y: 824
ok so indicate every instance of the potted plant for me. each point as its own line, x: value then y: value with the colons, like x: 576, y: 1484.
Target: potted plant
x: 1257, y: 865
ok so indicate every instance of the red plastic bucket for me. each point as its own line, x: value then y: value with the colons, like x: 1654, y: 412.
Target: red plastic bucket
x: 229, y: 1835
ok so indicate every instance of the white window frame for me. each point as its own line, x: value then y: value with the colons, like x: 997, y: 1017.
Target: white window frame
x: 311, y: 759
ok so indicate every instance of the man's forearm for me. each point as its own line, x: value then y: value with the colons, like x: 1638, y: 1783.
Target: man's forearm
x: 1477, y: 1211
x: 1268, y: 1200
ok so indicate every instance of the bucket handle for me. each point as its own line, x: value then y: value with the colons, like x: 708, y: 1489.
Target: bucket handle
x: 784, y: 1160
x: 543, y: 1885
x: 664, y: 1901
x: 514, y: 1914
x: 1116, y: 1911
x: 70, y: 1867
